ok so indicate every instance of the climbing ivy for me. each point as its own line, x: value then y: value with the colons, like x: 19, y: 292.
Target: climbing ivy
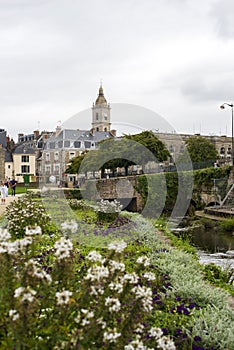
x: 158, y: 189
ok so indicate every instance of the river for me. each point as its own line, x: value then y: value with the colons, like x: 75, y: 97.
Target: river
x: 213, y: 244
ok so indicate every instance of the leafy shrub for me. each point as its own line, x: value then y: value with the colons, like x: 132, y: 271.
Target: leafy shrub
x: 108, y: 211
x: 24, y: 212
x: 227, y: 225
x: 47, y: 307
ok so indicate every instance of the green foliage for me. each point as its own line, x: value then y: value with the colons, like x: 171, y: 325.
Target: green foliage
x: 200, y: 149
x: 58, y: 293
x: 73, y: 193
x: 114, y: 153
x: 227, y: 225
x: 205, y: 177
x: 150, y: 141
x: 163, y: 188
x: 220, y: 277
x: 73, y: 167
x: 26, y: 212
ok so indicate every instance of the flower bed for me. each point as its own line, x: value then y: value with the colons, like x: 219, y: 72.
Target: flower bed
x: 57, y: 293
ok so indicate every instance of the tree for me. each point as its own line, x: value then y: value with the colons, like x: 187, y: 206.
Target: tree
x: 122, y: 152
x: 73, y: 167
x: 149, y: 140
x: 201, y: 150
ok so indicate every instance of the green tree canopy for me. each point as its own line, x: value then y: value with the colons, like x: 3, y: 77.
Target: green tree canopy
x: 201, y: 150
x: 121, y: 152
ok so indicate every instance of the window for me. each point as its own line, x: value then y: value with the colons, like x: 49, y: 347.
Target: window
x: 25, y: 169
x: 56, y: 156
x: 97, y: 129
x: 60, y: 144
x: 71, y: 155
x: 24, y: 159
x: 87, y: 144
x: 66, y: 143
x: 171, y: 148
x: 222, y: 150
x: 77, y: 144
x: 47, y: 169
x: 229, y: 151
x: 47, y: 157
x: 105, y: 129
x: 9, y: 166
x: 96, y: 116
x: 56, y: 169
x: 52, y: 145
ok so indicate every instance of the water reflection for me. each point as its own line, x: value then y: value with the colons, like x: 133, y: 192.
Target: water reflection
x: 213, y: 245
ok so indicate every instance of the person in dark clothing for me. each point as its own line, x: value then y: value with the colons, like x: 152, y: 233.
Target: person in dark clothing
x: 13, y: 186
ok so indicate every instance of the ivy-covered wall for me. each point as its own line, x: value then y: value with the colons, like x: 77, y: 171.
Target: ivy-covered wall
x: 162, y: 189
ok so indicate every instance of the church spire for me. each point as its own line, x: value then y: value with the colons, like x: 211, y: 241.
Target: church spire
x: 101, y: 113
x: 101, y: 98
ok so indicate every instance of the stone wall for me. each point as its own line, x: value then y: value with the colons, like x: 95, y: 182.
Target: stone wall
x: 121, y: 189
x: 2, y: 162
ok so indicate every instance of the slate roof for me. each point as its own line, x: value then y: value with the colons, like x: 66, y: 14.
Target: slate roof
x: 23, y: 148
x: 80, y: 135
x: 8, y: 157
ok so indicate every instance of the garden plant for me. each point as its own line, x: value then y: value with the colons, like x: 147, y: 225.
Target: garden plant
x: 58, y: 293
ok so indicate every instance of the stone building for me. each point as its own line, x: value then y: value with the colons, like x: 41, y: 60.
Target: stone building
x: 3, y: 148
x: 68, y: 143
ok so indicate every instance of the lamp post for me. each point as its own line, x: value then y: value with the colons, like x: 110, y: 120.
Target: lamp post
x: 222, y: 107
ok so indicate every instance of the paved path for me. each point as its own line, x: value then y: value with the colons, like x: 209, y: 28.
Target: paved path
x: 9, y: 199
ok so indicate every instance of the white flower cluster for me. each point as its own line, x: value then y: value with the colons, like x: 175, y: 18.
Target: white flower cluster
x: 25, y: 294
x: 63, y: 297
x: 4, y: 235
x: 145, y: 294
x: 106, y: 206
x: 163, y: 342
x: 150, y: 276
x: 94, y: 256
x: 70, y: 226
x: 111, y: 335
x: 15, y: 247
x: 116, y: 266
x: 88, y: 315
x: 14, y: 315
x: 35, y: 270
x: 97, y: 273
x: 63, y: 248
x: 113, y: 304
x: 33, y: 231
x: 117, y: 246
x: 144, y: 260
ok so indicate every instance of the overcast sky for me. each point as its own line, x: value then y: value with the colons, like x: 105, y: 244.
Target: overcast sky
x: 175, y: 57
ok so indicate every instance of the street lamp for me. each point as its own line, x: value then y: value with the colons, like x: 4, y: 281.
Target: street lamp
x: 222, y: 107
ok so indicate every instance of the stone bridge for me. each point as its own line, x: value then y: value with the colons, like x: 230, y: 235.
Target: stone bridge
x: 124, y: 190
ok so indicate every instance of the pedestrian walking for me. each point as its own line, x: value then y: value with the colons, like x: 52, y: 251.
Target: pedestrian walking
x: 13, y: 186
x: 7, y: 186
x: 3, y: 190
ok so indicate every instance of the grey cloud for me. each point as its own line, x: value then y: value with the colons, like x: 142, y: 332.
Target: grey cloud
x: 222, y: 14
x: 197, y: 89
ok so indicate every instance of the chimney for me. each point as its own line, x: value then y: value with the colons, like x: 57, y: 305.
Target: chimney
x: 20, y: 136
x: 113, y: 132
x: 58, y: 129
x: 36, y: 134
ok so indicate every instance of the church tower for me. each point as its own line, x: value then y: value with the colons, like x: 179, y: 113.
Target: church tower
x: 101, y: 113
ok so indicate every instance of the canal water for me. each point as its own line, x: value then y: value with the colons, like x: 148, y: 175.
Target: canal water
x: 212, y: 243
